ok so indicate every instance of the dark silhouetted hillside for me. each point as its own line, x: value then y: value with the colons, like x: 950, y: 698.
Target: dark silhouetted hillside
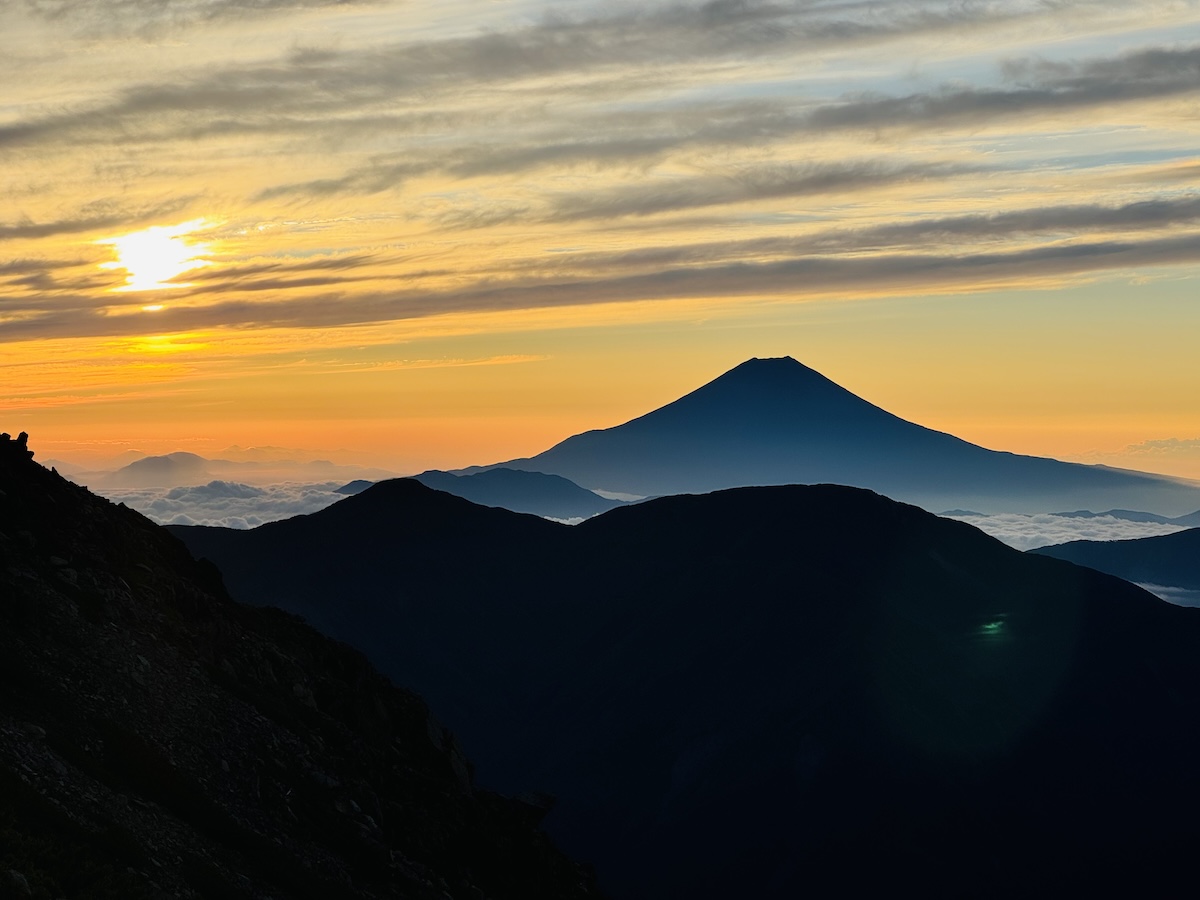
x: 159, y: 740
x: 772, y: 692
x: 520, y: 491
x: 776, y: 421
x: 1170, y: 560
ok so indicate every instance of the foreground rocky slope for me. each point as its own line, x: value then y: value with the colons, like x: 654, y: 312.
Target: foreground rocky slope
x: 159, y: 740
x: 773, y: 692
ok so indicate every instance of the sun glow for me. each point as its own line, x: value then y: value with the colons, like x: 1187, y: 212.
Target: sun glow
x: 154, y: 256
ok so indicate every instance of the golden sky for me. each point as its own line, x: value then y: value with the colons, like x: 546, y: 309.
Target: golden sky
x: 424, y: 235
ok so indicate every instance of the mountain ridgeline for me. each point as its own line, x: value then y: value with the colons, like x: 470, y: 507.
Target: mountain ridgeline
x: 776, y: 421
x: 770, y: 691
x: 159, y: 740
x: 528, y: 492
x: 1167, y: 560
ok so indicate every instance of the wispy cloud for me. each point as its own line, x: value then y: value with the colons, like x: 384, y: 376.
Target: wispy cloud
x: 744, y: 186
x: 154, y: 17
x: 819, y: 275
x: 99, y: 214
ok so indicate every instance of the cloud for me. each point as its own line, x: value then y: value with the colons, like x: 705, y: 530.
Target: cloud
x: 345, y: 90
x: 1188, y: 447
x: 629, y: 136
x: 150, y: 17
x: 96, y: 215
x: 227, y: 504
x: 1178, y: 596
x: 799, y: 277
x: 746, y: 185
x: 1040, y: 88
x: 722, y: 115
x: 1025, y: 532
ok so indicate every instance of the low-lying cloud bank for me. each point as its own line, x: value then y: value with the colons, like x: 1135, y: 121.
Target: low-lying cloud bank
x: 227, y: 503
x: 1178, y: 596
x: 1026, y: 532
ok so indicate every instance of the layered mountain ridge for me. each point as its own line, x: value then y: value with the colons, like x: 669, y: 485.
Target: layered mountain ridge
x: 766, y: 691
x: 1168, y: 560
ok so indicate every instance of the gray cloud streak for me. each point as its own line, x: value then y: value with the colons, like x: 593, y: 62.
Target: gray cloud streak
x: 149, y: 17
x: 1076, y: 219
x: 624, y: 139
x: 748, y: 185
x: 321, y: 86
x: 898, y: 273
x: 100, y: 214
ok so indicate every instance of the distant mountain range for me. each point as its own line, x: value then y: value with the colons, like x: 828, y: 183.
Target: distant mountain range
x: 776, y: 421
x: 1191, y: 520
x: 767, y: 692
x: 1169, y: 560
x: 521, y: 491
x: 159, y: 740
x: 183, y: 468
x: 162, y: 471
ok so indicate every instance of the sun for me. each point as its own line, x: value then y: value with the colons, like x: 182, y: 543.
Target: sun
x: 153, y: 256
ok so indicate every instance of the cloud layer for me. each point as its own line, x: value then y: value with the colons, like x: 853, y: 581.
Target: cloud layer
x: 227, y: 504
x: 1027, y: 532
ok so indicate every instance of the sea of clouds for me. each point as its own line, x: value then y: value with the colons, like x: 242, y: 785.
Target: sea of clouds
x: 1025, y: 532
x: 233, y: 504
x: 227, y: 503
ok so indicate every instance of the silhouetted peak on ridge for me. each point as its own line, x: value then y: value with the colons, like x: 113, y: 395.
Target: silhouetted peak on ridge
x: 768, y: 395
x: 768, y: 373
x: 402, y: 509
x: 758, y: 365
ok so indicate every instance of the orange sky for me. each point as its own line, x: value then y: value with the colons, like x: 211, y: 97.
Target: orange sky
x: 429, y: 235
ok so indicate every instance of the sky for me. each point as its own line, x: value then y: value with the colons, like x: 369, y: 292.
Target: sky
x: 417, y: 235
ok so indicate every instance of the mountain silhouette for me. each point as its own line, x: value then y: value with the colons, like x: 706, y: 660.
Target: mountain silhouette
x: 770, y: 691
x: 161, y: 471
x: 357, y: 486
x: 1167, y: 560
x: 776, y: 421
x: 521, y: 491
x: 159, y: 740
x: 1191, y: 520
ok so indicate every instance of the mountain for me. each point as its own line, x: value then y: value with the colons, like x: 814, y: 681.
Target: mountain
x: 775, y: 691
x: 1132, y: 515
x: 162, y: 471
x: 354, y: 487
x: 182, y: 468
x: 521, y: 491
x: 1169, y: 560
x: 776, y: 421
x: 159, y: 740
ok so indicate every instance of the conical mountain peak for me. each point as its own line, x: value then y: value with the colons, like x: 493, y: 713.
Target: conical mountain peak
x: 762, y: 399
x: 777, y: 421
